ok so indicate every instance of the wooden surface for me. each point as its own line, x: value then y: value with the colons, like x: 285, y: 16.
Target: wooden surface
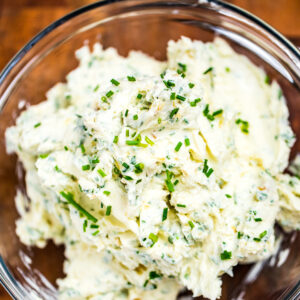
x: 20, y: 20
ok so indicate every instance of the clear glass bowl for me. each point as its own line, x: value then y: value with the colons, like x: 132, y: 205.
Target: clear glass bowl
x: 146, y: 26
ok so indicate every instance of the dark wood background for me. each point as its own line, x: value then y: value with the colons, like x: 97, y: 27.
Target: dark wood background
x: 20, y: 20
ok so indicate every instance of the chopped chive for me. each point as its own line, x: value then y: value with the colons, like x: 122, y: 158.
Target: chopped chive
x: 192, y: 225
x: 181, y: 98
x: 94, y: 226
x: 208, y: 70
x: 126, y: 166
x: 178, y: 146
x: 103, y: 98
x: 138, y: 181
x: 132, y: 143
x: 181, y: 205
x: 217, y: 112
x: 209, y: 172
x: 85, y: 167
x: 228, y: 196
x: 176, y: 182
x: 66, y: 148
x: 95, y: 160
x: 135, y: 117
x: 116, y: 139
x: 174, y: 112
x: 115, y: 82
x: 139, y: 96
x: 44, y: 155
x: 159, y: 120
x: 139, y: 168
x: 151, y: 143
x: 109, y: 94
x: 279, y: 94
x: 225, y: 255
x: 263, y: 234
x: 165, y: 214
x: 227, y: 69
x: 191, y: 85
x: 70, y: 198
x: 187, y: 141
x: 145, y: 283
x: 258, y: 219
x: 173, y: 96
x: 95, y: 233
x: 57, y: 169
x: 96, y: 88
x: 256, y: 239
x: 170, y: 240
x: 128, y: 177
x: 126, y: 113
x: 169, y: 83
x: 108, y: 210
x: 239, y: 235
x: 153, y: 275
x: 84, y: 225
x: 153, y: 237
x: 244, y: 125
x: 101, y: 172
x: 82, y: 148
x: 127, y: 132
x: 107, y: 193
x: 131, y: 78
x: 37, y: 125
x: 162, y: 75
x: 267, y: 79
x: 182, y: 66
x: 169, y: 185
x: 194, y: 103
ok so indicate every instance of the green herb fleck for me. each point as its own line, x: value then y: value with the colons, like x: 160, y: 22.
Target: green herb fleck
x: 187, y: 141
x: 228, y: 196
x: 225, y: 255
x: 191, y: 85
x: 181, y: 205
x: 208, y: 70
x: 109, y: 94
x: 108, y: 210
x: 165, y: 214
x: 131, y: 78
x: 239, y: 235
x: 114, y: 82
x: 116, y: 139
x: 267, y: 79
x: 169, y: 185
x: 178, y: 146
x: 244, y: 125
x: 150, y: 142
x: 107, y: 193
x: 169, y: 84
x: 70, y: 198
x: 181, y: 98
x: 101, y: 172
x: 84, y: 225
x: 153, y: 237
x: 191, y: 224
x: 37, y: 125
x: 258, y: 219
x: 173, y: 96
x: 154, y: 275
x: 174, y: 112
x: 194, y: 103
x: 85, y: 167
x: 139, y: 96
x: 44, y: 155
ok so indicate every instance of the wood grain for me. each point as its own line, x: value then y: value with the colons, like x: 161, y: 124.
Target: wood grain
x: 20, y: 20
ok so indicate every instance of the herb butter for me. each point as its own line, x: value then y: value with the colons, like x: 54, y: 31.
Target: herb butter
x: 156, y: 175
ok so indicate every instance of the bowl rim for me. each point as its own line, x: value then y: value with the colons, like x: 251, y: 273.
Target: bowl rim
x: 295, y: 291
x: 21, y: 53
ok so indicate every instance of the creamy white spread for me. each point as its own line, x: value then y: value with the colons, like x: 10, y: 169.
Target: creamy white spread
x: 156, y: 175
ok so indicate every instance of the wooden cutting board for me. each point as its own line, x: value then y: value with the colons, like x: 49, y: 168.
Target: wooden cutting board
x: 20, y: 20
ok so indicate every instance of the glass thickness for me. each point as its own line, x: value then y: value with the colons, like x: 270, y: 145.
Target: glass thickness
x: 147, y: 26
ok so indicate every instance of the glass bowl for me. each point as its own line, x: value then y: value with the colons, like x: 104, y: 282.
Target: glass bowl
x: 29, y: 273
